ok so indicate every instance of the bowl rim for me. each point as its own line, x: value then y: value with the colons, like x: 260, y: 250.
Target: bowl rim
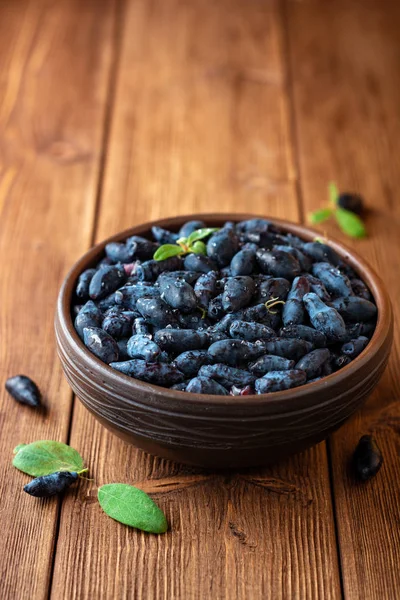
x: 383, y: 328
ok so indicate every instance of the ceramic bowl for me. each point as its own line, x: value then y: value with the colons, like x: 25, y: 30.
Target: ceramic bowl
x: 221, y: 431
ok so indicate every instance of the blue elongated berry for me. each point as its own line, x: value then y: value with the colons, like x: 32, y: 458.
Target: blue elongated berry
x: 140, y: 326
x: 50, y: 485
x: 367, y: 458
x: 180, y: 387
x: 244, y: 262
x: 123, y: 349
x: 128, y: 295
x: 276, y: 381
x: 199, y: 263
x: 337, y: 283
x: 189, y: 227
x: 151, y: 269
x: 88, y: 316
x: 205, y: 288
x: 106, y: 303
x: 101, y: 344
x: 318, y: 288
x: 227, y: 375
x: 293, y: 310
x: 354, y: 330
x: 313, y: 362
x: 233, y: 352
x: 105, y: 281
x: 354, y: 347
x: 254, y: 226
x: 159, y: 373
x: 278, y: 263
x: 325, y: 318
x: 143, y: 249
x: 156, y: 312
x: 188, y: 276
x: 270, y: 362
x: 178, y: 294
x: 180, y: 340
x: 338, y: 361
x: 118, y: 325
x: 303, y: 332
x: 141, y: 346
x: 273, y: 287
x: 163, y: 236
x: 304, y: 260
x: 82, y: 287
x: 322, y: 253
x: 360, y: 289
x: 205, y: 385
x: 120, y: 252
x: 193, y: 320
x: 354, y: 308
x: 215, y: 308
x: 288, y: 348
x: 222, y: 246
x: 24, y: 390
x: 258, y: 313
x: 238, y: 293
x: 251, y: 332
x: 190, y: 361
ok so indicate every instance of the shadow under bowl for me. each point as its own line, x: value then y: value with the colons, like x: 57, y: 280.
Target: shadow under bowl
x: 221, y: 431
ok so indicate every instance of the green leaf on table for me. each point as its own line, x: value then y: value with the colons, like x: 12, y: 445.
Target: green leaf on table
x: 18, y: 448
x: 200, y: 234
x: 131, y: 506
x: 166, y: 251
x: 45, y: 457
x: 333, y: 193
x: 350, y: 223
x: 321, y: 215
x: 199, y: 248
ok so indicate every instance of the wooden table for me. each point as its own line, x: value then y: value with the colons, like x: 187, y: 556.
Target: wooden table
x: 115, y: 112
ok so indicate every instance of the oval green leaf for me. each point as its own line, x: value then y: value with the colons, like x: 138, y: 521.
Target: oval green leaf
x: 18, y: 448
x: 333, y: 193
x: 166, y: 251
x: 350, y: 223
x: 131, y: 506
x: 45, y: 457
x: 199, y: 248
x: 319, y: 216
x: 200, y: 234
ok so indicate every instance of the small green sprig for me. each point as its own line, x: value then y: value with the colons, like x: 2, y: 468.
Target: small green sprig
x: 187, y: 245
x: 349, y: 222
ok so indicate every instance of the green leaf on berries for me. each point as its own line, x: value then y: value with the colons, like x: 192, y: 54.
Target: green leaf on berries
x: 200, y: 234
x: 350, y: 223
x: 166, y: 251
x: 199, y: 248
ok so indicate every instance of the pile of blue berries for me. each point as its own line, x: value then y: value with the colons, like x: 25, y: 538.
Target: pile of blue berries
x: 259, y: 310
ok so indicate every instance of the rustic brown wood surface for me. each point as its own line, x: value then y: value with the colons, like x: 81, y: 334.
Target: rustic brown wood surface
x: 348, y: 128
x: 113, y: 113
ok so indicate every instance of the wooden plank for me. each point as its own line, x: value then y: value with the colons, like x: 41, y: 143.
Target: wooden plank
x: 346, y: 66
x: 55, y: 59
x: 200, y: 123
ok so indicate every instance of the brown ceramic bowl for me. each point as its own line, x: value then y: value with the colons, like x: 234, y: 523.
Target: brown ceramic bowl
x: 221, y: 431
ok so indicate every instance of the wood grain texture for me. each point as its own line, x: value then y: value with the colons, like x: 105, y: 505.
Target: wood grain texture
x: 345, y: 65
x: 55, y: 59
x: 200, y: 122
